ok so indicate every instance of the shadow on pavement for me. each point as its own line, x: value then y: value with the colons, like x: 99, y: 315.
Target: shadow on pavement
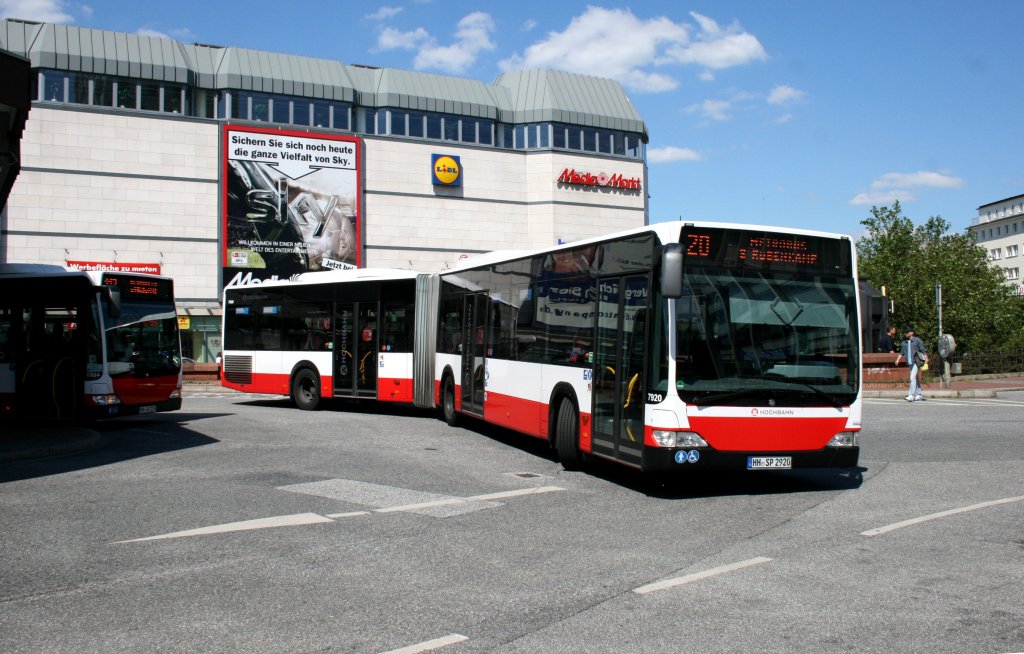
x: 118, y: 440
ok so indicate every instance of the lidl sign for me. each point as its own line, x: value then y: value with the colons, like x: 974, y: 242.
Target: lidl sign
x: 446, y: 170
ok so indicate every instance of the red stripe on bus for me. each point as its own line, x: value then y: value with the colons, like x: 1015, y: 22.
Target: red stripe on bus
x: 767, y: 434
x: 145, y: 390
x: 394, y: 390
x: 266, y: 382
x: 524, y: 416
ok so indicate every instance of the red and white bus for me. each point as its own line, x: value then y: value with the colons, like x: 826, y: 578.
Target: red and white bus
x: 80, y: 345
x: 337, y: 333
x: 673, y: 346
x: 677, y: 345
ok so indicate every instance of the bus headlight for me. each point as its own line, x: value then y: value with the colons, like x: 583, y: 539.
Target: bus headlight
x: 176, y: 393
x: 105, y: 400
x: 844, y: 439
x: 688, y: 439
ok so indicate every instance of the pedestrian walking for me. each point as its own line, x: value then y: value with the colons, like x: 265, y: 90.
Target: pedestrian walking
x: 913, y: 352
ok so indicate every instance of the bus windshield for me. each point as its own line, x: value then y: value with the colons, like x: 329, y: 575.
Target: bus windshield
x: 143, y: 339
x: 745, y: 336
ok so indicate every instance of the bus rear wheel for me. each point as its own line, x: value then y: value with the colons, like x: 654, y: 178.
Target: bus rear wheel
x: 306, y: 390
x: 451, y: 416
x: 567, y: 436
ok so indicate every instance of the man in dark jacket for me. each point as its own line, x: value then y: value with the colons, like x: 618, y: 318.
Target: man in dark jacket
x: 913, y: 351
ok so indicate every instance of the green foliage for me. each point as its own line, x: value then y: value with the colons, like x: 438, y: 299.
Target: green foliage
x: 979, y: 309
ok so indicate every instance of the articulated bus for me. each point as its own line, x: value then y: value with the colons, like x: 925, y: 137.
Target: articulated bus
x: 80, y: 345
x: 676, y: 346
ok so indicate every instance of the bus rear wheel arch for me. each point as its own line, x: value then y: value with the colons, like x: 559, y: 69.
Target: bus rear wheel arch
x: 306, y: 389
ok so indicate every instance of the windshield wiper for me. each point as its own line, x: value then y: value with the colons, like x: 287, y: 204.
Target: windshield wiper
x: 817, y: 391
x: 728, y: 395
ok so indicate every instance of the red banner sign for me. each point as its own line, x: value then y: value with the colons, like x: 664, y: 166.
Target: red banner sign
x: 114, y: 266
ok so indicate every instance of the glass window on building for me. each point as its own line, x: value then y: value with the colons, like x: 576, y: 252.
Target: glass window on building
x: 416, y: 120
x: 520, y: 138
x: 485, y: 131
x: 127, y: 93
x: 451, y: 128
x: 468, y: 130
x: 300, y: 111
x: 321, y: 113
x: 103, y: 92
x: 558, y: 135
x: 149, y: 95
x: 52, y: 85
x: 78, y: 88
x: 175, y: 99
x: 396, y: 122
x: 573, y: 138
x: 434, y: 126
x: 604, y: 142
x: 618, y: 144
x: 280, y: 109
x: 259, y: 106
x: 505, y: 138
x: 340, y: 112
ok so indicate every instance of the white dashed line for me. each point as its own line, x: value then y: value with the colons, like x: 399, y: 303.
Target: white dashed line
x: 697, y: 576
x: 936, y: 516
x: 245, y: 525
x: 428, y: 645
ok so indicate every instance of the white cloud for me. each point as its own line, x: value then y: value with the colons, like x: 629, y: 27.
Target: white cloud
x: 615, y: 43
x: 712, y: 109
x: 899, y: 186
x: 145, y: 31
x: 672, y: 153
x: 921, y: 178
x: 472, y: 36
x: 783, y: 95
x: 391, y: 39
x: 384, y: 13
x: 46, y: 11
x: 719, y: 48
x: 529, y: 24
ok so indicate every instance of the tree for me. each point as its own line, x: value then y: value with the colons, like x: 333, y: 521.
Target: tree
x: 979, y: 309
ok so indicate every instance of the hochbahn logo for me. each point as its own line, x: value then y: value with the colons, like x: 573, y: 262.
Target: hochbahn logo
x: 616, y: 181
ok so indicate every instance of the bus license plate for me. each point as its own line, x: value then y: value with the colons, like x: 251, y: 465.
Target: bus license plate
x: 769, y: 462
x: 149, y: 408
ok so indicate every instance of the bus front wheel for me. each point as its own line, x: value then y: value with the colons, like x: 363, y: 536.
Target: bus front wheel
x: 451, y: 416
x: 567, y: 440
x: 306, y: 390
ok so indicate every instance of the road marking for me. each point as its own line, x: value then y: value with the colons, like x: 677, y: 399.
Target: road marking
x: 516, y: 493
x: 697, y: 576
x: 301, y: 519
x: 350, y: 514
x: 428, y: 645
x: 936, y: 516
x: 245, y: 525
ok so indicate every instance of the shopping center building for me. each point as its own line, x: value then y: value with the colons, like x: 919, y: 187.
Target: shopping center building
x: 221, y: 165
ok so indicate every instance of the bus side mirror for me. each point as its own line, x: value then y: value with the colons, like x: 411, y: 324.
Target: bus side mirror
x: 672, y: 271
x: 114, y: 303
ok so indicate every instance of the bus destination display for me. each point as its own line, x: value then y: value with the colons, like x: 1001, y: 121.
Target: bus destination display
x: 735, y: 248
x: 135, y: 286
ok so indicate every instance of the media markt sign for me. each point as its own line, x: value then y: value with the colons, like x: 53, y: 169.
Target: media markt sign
x: 617, y: 181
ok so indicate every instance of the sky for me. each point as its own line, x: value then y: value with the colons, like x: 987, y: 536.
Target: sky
x: 798, y: 113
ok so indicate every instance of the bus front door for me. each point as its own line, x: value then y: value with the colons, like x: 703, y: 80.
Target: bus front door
x: 355, y: 349
x: 618, y: 399
x: 474, y: 335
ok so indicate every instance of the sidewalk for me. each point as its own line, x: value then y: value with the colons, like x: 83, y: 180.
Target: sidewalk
x: 48, y: 439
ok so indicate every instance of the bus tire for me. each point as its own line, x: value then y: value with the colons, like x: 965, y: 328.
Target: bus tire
x: 306, y: 390
x: 567, y: 436
x: 451, y: 416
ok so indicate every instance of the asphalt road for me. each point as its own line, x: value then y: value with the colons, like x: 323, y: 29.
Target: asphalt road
x: 241, y: 524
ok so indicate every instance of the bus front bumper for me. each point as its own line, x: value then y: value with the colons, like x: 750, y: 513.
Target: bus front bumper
x: 705, y: 458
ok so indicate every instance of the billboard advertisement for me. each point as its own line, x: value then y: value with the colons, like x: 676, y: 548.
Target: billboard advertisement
x: 290, y: 203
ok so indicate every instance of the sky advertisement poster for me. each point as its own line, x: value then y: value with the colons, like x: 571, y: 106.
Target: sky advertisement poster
x: 291, y: 203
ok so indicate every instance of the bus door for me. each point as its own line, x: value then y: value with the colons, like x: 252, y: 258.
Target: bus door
x: 474, y: 335
x: 355, y: 349
x: 618, y: 398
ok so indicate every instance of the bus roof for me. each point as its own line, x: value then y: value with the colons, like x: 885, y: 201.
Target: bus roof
x: 35, y: 270
x: 336, y: 276
x: 667, y: 232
